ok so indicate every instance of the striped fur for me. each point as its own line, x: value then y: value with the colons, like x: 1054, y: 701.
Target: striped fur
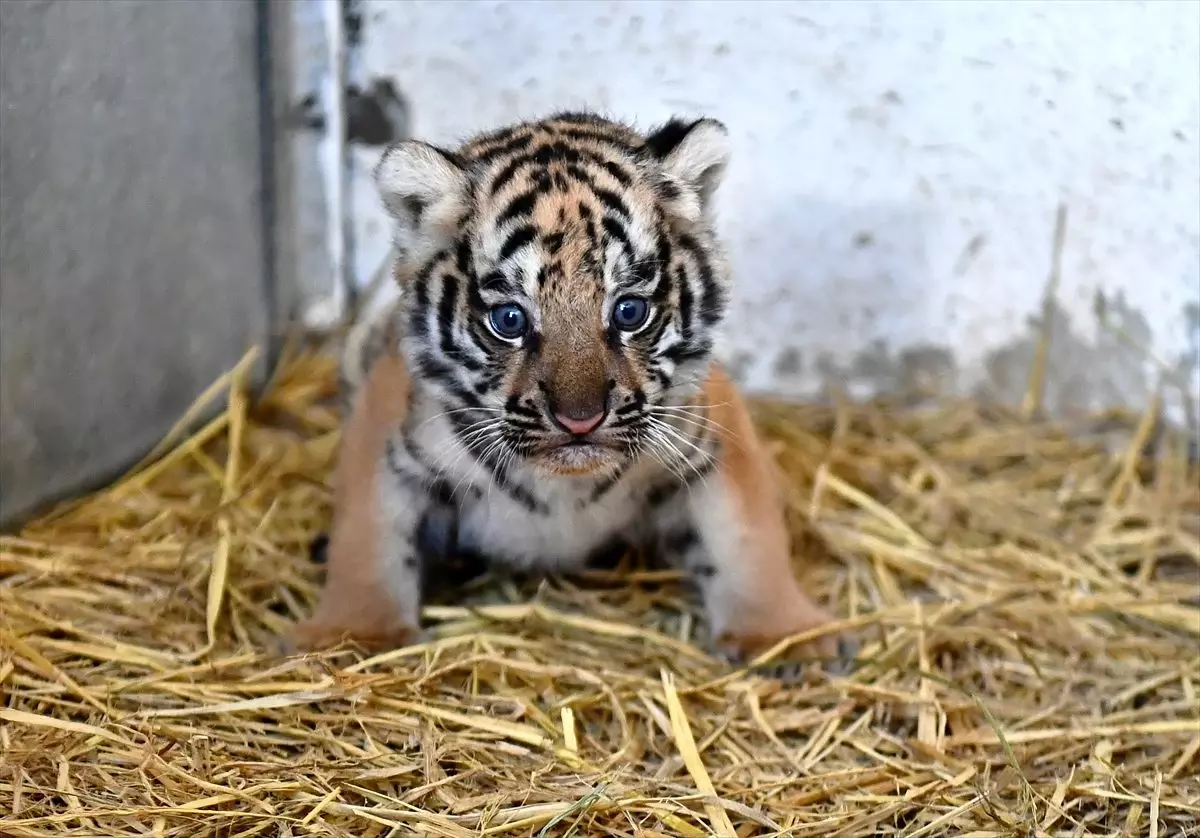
x: 464, y: 432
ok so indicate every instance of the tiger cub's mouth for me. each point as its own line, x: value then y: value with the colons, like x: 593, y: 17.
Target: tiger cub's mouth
x: 579, y: 457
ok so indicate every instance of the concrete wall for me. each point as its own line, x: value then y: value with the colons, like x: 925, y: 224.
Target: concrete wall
x: 891, y: 205
x: 133, y: 245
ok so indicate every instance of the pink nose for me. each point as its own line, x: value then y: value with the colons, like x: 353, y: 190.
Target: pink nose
x: 577, y: 426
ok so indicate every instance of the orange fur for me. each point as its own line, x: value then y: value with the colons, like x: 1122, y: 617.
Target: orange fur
x: 775, y: 605
x: 355, y: 604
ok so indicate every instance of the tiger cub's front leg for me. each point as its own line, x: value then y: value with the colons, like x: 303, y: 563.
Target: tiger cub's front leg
x: 729, y: 532
x: 372, y: 593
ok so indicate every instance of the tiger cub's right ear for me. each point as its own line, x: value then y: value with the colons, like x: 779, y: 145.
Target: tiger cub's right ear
x: 424, y: 189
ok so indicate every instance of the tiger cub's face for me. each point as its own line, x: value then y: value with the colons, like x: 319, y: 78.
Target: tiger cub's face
x: 561, y: 284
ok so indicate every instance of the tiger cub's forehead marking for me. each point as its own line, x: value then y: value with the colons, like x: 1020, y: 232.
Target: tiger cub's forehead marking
x: 561, y: 202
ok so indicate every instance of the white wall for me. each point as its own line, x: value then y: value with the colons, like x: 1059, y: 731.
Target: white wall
x: 891, y: 205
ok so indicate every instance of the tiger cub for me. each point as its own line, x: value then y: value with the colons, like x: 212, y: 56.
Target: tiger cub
x: 544, y: 388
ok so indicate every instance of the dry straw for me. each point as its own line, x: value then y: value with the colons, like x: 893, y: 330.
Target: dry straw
x: 1028, y: 603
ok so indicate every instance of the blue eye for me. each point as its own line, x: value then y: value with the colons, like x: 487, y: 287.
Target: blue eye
x: 630, y: 313
x: 508, y: 321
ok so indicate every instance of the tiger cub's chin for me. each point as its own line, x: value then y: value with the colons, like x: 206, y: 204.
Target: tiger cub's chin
x: 578, y: 460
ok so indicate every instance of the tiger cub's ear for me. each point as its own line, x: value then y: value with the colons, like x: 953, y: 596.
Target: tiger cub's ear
x: 692, y: 156
x: 425, y: 191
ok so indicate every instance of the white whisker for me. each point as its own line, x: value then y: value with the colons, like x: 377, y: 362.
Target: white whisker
x: 659, y: 451
x: 674, y: 434
x: 694, y: 419
x: 454, y: 412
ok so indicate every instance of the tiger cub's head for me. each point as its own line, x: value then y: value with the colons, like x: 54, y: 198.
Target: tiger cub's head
x: 561, y: 283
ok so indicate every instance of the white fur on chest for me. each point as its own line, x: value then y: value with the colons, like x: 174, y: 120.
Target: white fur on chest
x: 561, y: 539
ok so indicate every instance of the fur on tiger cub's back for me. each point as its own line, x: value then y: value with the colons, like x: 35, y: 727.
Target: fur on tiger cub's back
x: 544, y: 388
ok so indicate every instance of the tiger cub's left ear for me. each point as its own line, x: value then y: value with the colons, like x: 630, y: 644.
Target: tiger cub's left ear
x: 693, y: 157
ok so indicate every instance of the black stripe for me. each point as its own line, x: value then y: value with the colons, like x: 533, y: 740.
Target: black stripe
x: 497, y: 283
x: 456, y: 353
x: 462, y: 256
x: 468, y: 363
x: 644, y: 270
x: 555, y: 152
x: 612, y: 202
x: 576, y: 170
x: 542, y: 182
x: 656, y: 496
x: 451, y: 157
x: 513, y: 405
x: 475, y: 301
x: 712, y: 301
x: 687, y: 302
x: 418, y: 326
x: 487, y: 384
x: 519, y: 206
x: 507, y: 146
x: 614, y: 229
x: 514, y: 490
x: 576, y: 173
x: 662, y: 288
x: 680, y: 541
x: 638, y: 402
x: 432, y: 369
x: 505, y: 175
x: 480, y: 336
x: 684, y: 351
x: 421, y: 282
x: 605, y: 486
x: 589, y: 222
x: 618, y: 174
x: 517, y: 239
x: 447, y: 309
x: 553, y: 242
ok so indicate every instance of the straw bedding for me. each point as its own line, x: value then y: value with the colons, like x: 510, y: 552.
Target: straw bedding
x: 1027, y: 603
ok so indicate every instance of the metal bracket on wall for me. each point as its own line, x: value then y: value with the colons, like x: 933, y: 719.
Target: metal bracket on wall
x: 331, y: 109
x: 315, y: 39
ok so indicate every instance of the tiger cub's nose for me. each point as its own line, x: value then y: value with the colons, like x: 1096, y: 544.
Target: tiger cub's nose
x: 582, y: 411
x: 573, y: 423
